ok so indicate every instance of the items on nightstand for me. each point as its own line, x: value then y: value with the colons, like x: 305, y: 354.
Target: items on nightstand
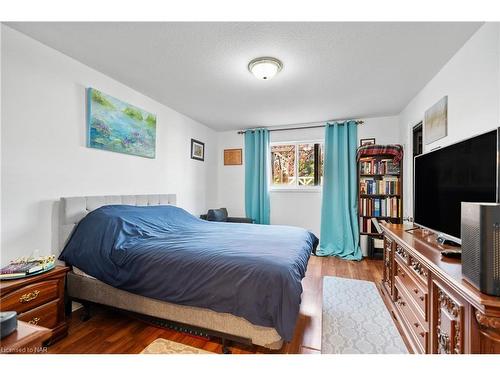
x: 8, y: 323
x: 27, y: 266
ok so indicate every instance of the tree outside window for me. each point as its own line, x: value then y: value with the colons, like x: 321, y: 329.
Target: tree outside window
x: 297, y: 165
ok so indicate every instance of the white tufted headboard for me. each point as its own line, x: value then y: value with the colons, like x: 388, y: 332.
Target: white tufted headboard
x: 74, y: 209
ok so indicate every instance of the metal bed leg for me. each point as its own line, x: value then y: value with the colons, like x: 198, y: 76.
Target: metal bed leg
x: 225, y: 348
x: 67, y: 306
x: 85, y: 315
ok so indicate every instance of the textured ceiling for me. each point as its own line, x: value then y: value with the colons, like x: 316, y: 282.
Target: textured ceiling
x: 331, y: 70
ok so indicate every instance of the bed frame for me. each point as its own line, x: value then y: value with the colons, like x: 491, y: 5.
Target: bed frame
x: 195, y: 320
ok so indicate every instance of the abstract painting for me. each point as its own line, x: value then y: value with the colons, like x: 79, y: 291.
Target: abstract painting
x: 114, y: 125
x: 436, y: 121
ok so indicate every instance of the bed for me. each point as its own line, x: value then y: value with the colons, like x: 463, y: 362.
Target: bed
x: 143, y: 254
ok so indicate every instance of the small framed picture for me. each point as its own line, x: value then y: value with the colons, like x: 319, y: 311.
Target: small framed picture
x: 367, y: 141
x: 233, y: 156
x: 197, y: 150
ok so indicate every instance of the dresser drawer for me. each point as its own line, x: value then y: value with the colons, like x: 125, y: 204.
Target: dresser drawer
x: 419, y: 331
x: 418, y: 270
x: 30, y: 296
x: 45, y: 315
x: 401, y: 254
x: 418, y: 295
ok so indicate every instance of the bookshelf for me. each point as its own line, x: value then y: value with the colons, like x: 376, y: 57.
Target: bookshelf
x: 380, y: 190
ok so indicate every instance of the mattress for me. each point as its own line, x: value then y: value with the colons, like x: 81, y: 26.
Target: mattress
x: 79, y: 272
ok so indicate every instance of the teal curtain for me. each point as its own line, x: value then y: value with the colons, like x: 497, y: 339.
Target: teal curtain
x: 257, y: 201
x: 339, y: 208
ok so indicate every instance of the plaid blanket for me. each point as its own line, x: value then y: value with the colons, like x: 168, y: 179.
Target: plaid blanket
x: 395, y: 150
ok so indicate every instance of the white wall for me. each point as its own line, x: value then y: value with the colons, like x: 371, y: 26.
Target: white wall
x: 471, y: 80
x: 1, y: 53
x: 299, y: 208
x: 44, y: 156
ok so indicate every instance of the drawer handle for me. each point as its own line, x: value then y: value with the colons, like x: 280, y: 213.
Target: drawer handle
x: 416, y: 325
x: 29, y: 296
x: 401, y: 303
x: 34, y: 321
x: 415, y: 290
x: 422, y: 298
x: 422, y: 334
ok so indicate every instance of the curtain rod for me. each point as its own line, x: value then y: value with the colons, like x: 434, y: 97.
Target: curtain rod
x: 358, y: 122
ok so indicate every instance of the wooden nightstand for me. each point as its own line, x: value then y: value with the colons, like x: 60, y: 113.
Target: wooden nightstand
x: 38, y: 300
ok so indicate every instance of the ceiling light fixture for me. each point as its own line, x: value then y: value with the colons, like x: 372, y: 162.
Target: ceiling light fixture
x: 265, y: 68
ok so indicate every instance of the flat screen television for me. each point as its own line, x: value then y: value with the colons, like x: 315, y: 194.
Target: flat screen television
x: 466, y: 171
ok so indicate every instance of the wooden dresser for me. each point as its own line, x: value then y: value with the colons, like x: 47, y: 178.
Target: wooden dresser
x: 437, y: 310
x: 38, y: 300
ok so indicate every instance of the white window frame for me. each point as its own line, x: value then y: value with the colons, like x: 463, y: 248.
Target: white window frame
x: 296, y: 187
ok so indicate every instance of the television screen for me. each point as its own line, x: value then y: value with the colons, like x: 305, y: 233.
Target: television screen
x: 462, y: 172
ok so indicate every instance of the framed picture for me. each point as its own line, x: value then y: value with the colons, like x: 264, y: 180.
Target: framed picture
x: 367, y: 141
x: 197, y: 150
x: 115, y: 125
x: 436, y: 121
x: 233, y: 156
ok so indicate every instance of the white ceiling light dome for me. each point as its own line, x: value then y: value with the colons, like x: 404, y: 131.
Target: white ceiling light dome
x: 265, y: 68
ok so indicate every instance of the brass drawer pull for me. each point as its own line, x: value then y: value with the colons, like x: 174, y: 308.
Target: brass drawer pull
x: 29, y: 296
x: 416, y: 325
x: 415, y: 290
x: 34, y: 321
x: 422, y: 298
x: 422, y: 334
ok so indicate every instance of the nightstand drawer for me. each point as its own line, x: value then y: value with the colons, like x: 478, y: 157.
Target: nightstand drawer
x: 30, y: 296
x: 45, y: 316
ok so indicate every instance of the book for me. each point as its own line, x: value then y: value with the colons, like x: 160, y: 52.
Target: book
x: 392, y: 168
x: 26, y: 266
x: 376, y: 211
x: 376, y: 224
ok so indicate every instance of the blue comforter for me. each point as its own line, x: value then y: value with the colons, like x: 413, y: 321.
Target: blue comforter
x: 163, y: 252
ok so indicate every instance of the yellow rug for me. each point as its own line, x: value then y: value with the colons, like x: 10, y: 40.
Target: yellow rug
x: 163, y: 346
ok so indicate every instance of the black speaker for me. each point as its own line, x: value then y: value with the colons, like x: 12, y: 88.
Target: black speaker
x: 481, y: 246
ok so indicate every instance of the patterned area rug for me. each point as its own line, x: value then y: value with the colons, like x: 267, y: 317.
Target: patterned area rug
x: 356, y: 320
x: 162, y: 346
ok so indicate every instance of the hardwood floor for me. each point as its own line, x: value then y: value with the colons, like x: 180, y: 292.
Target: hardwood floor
x: 109, y: 331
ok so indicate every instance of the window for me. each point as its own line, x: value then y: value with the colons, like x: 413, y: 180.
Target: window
x: 296, y: 165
